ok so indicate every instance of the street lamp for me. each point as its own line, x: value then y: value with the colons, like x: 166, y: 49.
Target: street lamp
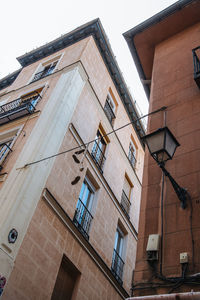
x: 162, y: 145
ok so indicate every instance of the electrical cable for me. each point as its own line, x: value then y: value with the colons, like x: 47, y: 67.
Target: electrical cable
x: 92, y: 141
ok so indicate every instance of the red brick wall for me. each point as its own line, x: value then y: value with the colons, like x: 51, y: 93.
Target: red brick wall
x: 173, y: 86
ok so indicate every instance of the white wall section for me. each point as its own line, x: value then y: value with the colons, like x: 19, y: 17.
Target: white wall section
x: 23, y: 187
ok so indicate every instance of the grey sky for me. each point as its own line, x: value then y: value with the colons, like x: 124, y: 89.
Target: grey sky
x: 26, y: 25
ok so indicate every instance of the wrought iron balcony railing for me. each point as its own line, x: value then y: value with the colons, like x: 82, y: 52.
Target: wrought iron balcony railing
x: 125, y: 203
x: 4, y: 151
x: 82, y: 219
x: 132, y: 158
x: 43, y: 73
x: 196, y: 61
x: 98, y: 156
x: 117, y: 266
x: 18, y: 108
x: 109, y: 112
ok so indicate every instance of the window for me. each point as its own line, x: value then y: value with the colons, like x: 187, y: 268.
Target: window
x: 19, y: 107
x: 83, y: 217
x: 66, y: 281
x: 117, y: 262
x: 196, y: 62
x: 5, y: 148
x: 126, y: 196
x: 132, y: 154
x: 31, y: 99
x: 99, y: 148
x: 7, y: 140
x: 109, y: 109
x: 46, y: 68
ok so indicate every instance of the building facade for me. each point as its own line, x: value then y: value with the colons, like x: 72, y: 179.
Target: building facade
x: 70, y: 184
x: 166, y: 49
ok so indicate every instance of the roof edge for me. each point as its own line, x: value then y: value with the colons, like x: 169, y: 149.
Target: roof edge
x: 95, y: 29
x: 157, y: 18
x: 163, y: 14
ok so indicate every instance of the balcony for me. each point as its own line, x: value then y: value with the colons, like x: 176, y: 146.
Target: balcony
x: 4, y: 151
x: 82, y: 219
x: 47, y: 71
x: 109, y: 112
x: 98, y: 156
x: 196, y: 61
x: 132, y: 158
x: 117, y: 267
x: 125, y: 204
x: 18, y: 108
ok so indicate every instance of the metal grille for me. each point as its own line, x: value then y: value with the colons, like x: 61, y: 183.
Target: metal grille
x: 82, y: 218
x: 131, y: 156
x: 10, y: 106
x: 18, y: 107
x: 196, y: 61
x: 4, y: 150
x: 98, y: 156
x: 125, y: 203
x: 117, y: 266
x: 47, y: 71
x: 109, y: 112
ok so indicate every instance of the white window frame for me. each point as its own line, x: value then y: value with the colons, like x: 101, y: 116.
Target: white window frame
x: 91, y: 187
x: 135, y: 151
x: 6, y: 136
x: 119, y: 232
x: 43, y: 64
x: 42, y: 86
x: 110, y: 100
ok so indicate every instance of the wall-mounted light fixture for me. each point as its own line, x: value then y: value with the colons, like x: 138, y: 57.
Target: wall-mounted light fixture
x: 162, y: 145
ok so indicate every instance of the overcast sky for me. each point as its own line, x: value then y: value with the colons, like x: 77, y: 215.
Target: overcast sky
x: 26, y: 25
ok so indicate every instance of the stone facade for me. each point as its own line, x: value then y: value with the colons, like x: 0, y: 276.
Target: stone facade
x: 38, y: 198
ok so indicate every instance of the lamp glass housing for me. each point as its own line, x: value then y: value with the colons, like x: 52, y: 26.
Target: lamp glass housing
x: 161, y: 144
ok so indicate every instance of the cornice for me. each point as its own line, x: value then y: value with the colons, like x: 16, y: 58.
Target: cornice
x: 95, y: 29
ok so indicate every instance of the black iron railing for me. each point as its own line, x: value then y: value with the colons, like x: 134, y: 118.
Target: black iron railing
x: 196, y: 61
x: 18, y: 108
x: 43, y: 73
x: 125, y: 203
x: 82, y: 218
x: 131, y: 157
x: 4, y: 151
x: 117, y: 266
x: 109, y: 112
x: 98, y: 156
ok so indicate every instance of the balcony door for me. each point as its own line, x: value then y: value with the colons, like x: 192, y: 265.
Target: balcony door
x: 119, y: 240
x: 86, y: 195
x: 132, y: 154
x: 117, y: 261
x: 66, y: 281
x: 83, y: 214
x: 99, y: 149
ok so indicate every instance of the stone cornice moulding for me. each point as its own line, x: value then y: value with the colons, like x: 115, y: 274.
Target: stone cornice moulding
x: 94, y: 29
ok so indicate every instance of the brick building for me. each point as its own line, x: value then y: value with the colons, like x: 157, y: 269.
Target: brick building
x: 166, y: 49
x: 68, y: 222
